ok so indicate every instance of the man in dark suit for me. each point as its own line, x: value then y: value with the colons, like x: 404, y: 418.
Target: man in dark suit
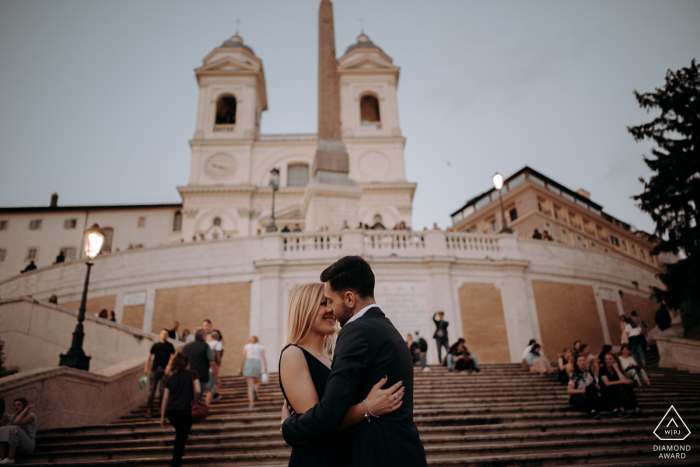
x: 368, y: 348
x: 440, y: 335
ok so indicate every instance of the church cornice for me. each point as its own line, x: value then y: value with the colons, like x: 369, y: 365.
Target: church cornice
x: 391, y: 186
x: 200, y: 189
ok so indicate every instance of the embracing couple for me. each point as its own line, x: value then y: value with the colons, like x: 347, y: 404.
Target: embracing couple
x: 348, y: 401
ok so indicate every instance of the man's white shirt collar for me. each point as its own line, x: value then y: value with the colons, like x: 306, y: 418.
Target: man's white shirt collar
x: 361, y: 312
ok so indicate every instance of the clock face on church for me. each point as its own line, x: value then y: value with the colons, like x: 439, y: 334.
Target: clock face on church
x: 220, y: 166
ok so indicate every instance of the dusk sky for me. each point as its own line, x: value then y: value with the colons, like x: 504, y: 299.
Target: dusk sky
x: 98, y: 99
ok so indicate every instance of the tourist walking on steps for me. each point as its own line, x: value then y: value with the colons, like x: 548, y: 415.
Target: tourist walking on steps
x: 304, y: 369
x: 368, y: 350
x: 218, y: 349
x: 633, y: 371
x: 423, y: 355
x: 181, y: 389
x: 413, y: 348
x: 254, y: 365
x: 18, y: 431
x: 158, y: 361
x: 440, y: 336
x: 624, y: 333
x: 636, y: 341
x: 201, y: 359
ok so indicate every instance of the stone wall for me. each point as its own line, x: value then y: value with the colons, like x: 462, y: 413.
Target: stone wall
x: 65, y: 397
x: 226, y: 305
x: 567, y: 312
x: 678, y: 353
x: 483, y: 323
x: 35, y: 335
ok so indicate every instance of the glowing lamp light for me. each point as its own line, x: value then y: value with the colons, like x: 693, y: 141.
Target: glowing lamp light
x: 94, y: 238
x: 498, y: 181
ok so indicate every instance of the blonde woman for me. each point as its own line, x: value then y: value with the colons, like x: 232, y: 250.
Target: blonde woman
x: 305, y: 365
x: 254, y: 365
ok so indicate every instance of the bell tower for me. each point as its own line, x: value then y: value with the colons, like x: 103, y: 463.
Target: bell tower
x: 232, y: 97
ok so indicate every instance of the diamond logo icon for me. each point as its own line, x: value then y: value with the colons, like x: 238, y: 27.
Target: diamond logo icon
x: 672, y: 427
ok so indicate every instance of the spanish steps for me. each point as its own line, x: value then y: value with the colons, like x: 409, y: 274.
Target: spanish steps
x: 502, y: 416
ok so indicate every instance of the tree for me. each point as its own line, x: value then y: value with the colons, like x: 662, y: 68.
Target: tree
x: 672, y: 194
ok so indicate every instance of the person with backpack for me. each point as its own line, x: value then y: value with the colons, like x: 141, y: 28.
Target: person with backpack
x: 422, y: 356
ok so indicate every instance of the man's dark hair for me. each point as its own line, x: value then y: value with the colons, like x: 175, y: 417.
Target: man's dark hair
x: 350, y: 273
x: 206, y: 321
x: 634, y: 313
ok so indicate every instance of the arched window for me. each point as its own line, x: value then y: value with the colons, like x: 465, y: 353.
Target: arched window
x: 109, y: 236
x: 297, y: 175
x: 177, y: 221
x: 369, y: 110
x: 226, y: 110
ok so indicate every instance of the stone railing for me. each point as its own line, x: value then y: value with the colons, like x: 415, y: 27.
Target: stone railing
x: 299, y: 244
x: 394, y: 241
x: 290, y: 137
x: 469, y: 242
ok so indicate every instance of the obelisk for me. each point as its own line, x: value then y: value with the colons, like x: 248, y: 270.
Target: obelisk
x: 331, y: 197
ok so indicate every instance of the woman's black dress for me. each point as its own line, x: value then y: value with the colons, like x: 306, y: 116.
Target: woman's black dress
x: 319, y: 453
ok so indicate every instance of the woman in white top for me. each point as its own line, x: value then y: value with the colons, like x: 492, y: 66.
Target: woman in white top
x: 631, y: 369
x: 254, y: 365
x: 636, y: 341
x: 624, y: 336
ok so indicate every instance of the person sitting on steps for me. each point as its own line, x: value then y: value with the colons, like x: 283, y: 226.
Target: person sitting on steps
x: 584, y: 390
x: 631, y: 368
x: 619, y: 386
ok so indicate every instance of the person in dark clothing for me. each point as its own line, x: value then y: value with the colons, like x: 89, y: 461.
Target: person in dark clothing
x: 413, y: 347
x: 537, y: 235
x: 30, y: 267
x: 663, y: 318
x: 285, y: 229
x: 601, y: 356
x: 158, y: 360
x: 181, y: 388
x: 368, y: 348
x: 585, y: 390
x: 440, y: 335
x: 172, y: 333
x: 60, y: 258
x: 615, y: 382
x: 201, y: 359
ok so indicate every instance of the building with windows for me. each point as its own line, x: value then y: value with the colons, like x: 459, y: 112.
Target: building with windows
x: 203, y: 257
x: 534, y: 201
x: 228, y: 194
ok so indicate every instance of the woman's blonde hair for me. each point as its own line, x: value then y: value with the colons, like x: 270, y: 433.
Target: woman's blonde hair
x: 254, y: 339
x: 303, y: 305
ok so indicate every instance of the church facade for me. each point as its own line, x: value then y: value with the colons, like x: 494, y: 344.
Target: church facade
x: 211, y: 257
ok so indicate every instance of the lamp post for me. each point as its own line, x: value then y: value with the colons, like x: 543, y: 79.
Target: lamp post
x: 76, y: 358
x: 275, y: 184
x: 498, y: 184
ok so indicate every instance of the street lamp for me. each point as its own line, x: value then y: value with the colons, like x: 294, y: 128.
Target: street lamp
x: 498, y: 184
x: 76, y: 358
x: 275, y: 184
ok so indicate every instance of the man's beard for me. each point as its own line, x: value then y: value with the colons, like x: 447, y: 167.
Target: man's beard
x: 344, y: 315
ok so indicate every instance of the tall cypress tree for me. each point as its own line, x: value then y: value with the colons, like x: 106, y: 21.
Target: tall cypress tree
x: 672, y: 194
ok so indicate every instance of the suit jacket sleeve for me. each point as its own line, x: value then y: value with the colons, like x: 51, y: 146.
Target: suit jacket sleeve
x: 352, y: 356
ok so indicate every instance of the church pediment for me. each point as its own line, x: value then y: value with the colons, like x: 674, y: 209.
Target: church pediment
x: 226, y: 64
x: 365, y: 62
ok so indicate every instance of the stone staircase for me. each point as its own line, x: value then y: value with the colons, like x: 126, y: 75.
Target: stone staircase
x: 502, y: 416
